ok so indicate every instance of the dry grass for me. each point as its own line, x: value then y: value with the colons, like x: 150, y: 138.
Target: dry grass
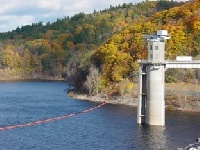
x: 183, y: 86
x: 183, y: 96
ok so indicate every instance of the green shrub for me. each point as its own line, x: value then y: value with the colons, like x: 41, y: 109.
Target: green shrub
x: 125, y: 86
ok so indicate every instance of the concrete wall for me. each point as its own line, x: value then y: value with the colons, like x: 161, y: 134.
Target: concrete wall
x: 155, y: 104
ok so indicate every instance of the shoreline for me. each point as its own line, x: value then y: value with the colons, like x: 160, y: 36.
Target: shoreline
x: 125, y: 102
x: 33, y: 78
x: 179, y: 97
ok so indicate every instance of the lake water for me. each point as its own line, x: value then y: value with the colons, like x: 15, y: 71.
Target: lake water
x: 106, y: 128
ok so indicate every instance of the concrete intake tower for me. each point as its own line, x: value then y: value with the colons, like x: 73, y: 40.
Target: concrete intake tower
x: 151, y: 100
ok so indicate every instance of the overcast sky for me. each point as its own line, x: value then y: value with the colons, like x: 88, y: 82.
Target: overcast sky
x: 16, y: 13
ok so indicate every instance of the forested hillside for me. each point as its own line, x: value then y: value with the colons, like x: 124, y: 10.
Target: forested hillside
x: 117, y: 57
x: 95, y: 50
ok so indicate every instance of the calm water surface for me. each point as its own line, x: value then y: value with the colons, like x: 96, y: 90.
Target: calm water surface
x: 107, y: 128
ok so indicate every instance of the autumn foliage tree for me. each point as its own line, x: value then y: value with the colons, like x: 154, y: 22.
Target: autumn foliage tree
x: 110, y: 38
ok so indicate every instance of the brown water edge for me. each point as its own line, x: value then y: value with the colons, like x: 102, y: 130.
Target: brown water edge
x: 36, y: 77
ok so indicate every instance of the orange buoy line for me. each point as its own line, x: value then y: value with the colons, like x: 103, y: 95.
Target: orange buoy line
x: 50, y: 119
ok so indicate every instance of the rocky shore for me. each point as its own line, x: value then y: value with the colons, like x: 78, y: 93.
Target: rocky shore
x: 128, y: 100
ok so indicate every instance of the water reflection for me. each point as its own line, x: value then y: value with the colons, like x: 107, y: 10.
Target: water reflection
x: 153, y: 137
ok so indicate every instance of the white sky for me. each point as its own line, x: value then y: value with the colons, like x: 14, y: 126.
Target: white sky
x: 16, y: 13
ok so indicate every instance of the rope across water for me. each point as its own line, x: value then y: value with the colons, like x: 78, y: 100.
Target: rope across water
x: 50, y: 119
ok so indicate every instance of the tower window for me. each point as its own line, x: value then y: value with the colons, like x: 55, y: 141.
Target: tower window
x: 151, y: 47
x: 156, y: 47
